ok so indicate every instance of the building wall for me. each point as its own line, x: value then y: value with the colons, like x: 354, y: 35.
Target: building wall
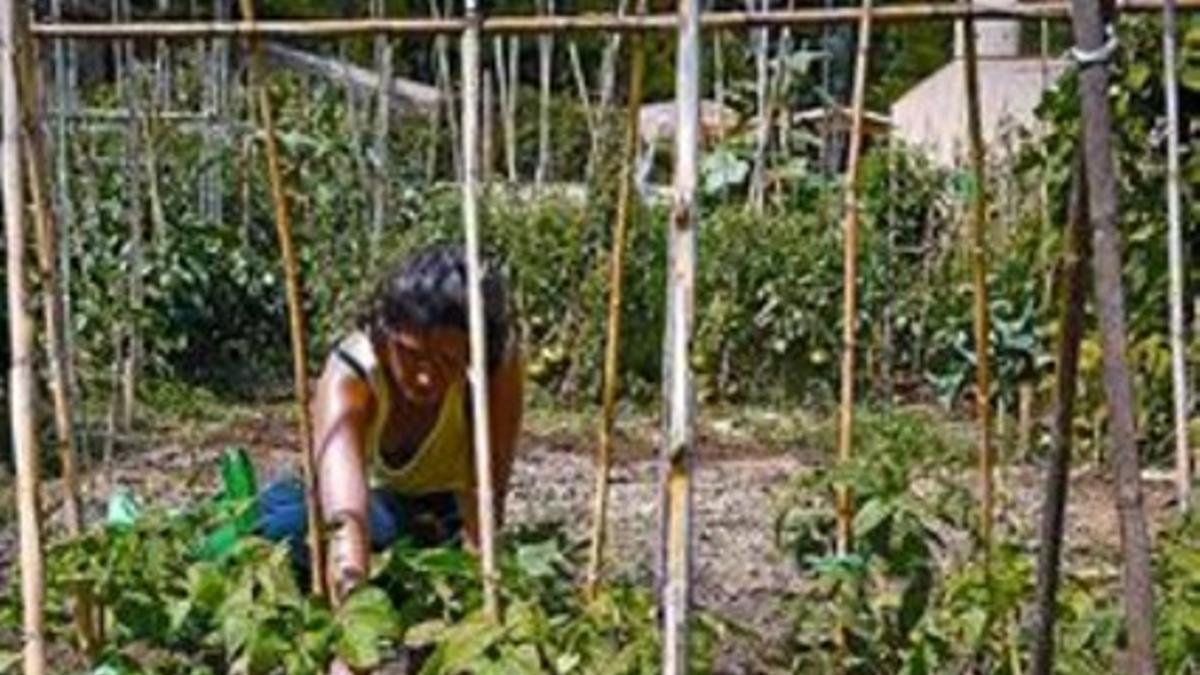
x: 933, y: 114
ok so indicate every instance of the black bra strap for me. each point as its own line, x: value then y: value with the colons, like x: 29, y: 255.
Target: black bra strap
x: 354, y: 364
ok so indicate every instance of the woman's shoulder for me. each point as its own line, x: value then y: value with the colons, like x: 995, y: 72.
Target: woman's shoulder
x: 351, y: 367
x: 354, y: 352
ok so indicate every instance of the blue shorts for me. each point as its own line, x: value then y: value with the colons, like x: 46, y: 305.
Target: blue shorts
x: 427, y: 520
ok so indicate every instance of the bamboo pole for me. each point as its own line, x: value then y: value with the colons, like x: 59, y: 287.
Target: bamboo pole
x: 844, y: 506
x: 545, y: 65
x: 902, y: 13
x: 612, y: 338
x: 514, y: 99
x: 162, y: 65
x: 719, y: 86
x: 283, y: 228
x: 88, y: 171
x: 1090, y: 37
x: 608, y: 65
x: 1025, y: 395
x: 487, y: 128
x: 64, y: 83
x: 783, y: 83
x: 762, y: 131
x: 887, y: 383
x: 478, y: 375
x: 508, y: 89
x: 149, y: 130
x: 678, y: 390
x: 431, y: 148
x: 131, y: 338
x: 20, y: 325
x: 357, y: 114
x: 57, y: 328
x: 591, y: 114
x: 384, y: 63
x: 216, y: 111
x: 978, y: 248
x: 45, y: 236
x: 444, y: 79
x: 1179, y: 380
x: 1058, y: 471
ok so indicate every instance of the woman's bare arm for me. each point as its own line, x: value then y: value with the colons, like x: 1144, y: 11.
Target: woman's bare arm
x: 342, y: 412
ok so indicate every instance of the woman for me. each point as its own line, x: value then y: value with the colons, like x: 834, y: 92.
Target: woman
x: 392, y: 420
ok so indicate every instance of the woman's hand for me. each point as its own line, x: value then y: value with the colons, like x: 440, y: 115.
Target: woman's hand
x: 339, y: 667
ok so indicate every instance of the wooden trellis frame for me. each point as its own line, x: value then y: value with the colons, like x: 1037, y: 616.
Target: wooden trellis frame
x: 688, y: 21
x: 906, y: 13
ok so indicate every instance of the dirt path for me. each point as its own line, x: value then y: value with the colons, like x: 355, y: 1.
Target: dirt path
x: 739, y: 574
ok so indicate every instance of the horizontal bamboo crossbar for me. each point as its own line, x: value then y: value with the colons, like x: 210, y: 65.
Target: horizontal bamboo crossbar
x: 907, y: 13
x: 123, y: 114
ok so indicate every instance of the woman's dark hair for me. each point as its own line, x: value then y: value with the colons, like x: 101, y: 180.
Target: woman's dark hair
x: 428, y: 289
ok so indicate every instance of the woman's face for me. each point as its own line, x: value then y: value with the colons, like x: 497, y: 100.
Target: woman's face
x: 424, y: 363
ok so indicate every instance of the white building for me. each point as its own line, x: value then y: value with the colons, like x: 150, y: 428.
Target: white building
x: 933, y: 114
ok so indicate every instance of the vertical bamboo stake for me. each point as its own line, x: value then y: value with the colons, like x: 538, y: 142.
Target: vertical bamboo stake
x: 20, y: 325
x: 1025, y: 394
x: 758, y: 171
x: 510, y: 114
x: 65, y: 215
x: 776, y: 118
x: 487, y: 131
x: 384, y: 63
x: 149, y: 130
x: 590, y: 115
x: 784, y: 82
x: 612, y: 338
x: 1089, y: 30
x: 541, y: 173
x: 90, y: 201
x: 887, y: 339
x: 608, y: 65
x: 500, y: 69
x: 283, y: 228
x: 1066, y: 376
x: 435, y: 131
x: 131, y: 334
x: 979, y: 227
x: 844, y: 506
x: 217, y: 108
x: 1001, y: 439
x: 445, y: 82
x: 1179, y: 381
x: 479, y: 383
x: 53, y: 315
x: 718, y: 72
x: 57, y: 328
x: 507, y: 91
x: 162, y: 63
x: 118, y: 48
x: 681, y: 275
x: 201, y: 63
x: 45, y: 236
x: 358, y: 105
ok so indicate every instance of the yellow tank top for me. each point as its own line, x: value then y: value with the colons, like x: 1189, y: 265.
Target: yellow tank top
x: 442, y: 463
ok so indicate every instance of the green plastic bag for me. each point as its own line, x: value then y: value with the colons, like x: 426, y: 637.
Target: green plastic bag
x: 123, y: 510
x: 239, y: 488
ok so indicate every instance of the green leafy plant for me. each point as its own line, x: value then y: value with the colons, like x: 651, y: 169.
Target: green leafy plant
x: 908, y: 508
x: 1177, y: 573
x: 168, y: 608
